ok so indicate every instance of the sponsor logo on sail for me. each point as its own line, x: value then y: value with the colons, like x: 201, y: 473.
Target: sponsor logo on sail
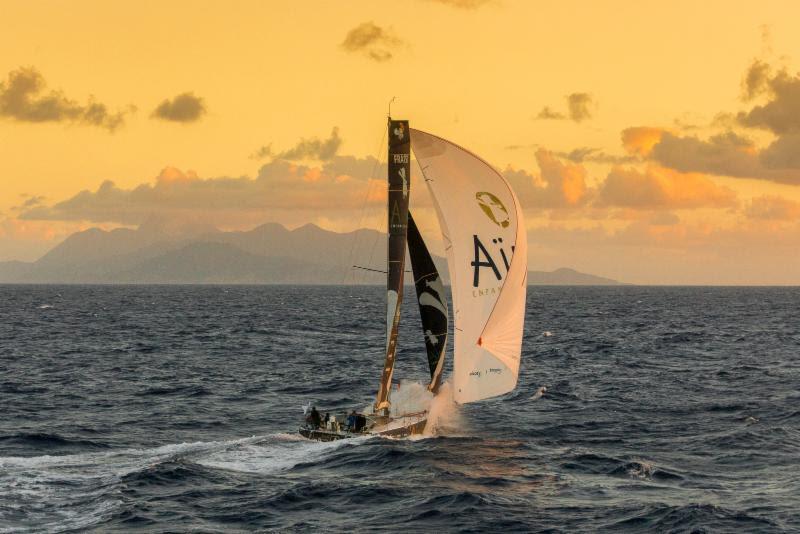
x: 399, y: 131
x: 493, y: 208
x: 483, y: 258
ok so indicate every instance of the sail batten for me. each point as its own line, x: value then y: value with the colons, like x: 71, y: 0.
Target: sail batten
x: 481, y: 221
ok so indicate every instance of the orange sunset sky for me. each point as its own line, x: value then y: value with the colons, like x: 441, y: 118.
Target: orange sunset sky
x: 651, y: 142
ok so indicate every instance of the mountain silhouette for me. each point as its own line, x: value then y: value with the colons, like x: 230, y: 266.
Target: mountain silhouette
x: 267, y: 254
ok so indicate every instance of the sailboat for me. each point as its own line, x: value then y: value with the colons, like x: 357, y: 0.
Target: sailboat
x: 485, y: 242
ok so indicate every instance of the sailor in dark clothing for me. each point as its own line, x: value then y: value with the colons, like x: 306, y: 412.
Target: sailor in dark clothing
x: 326, y: 420
x: 351, y: 421
x: 361, y: 422
x: 313, y: 418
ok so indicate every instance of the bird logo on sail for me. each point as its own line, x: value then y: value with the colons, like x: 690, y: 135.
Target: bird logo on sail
x: 493, y: 208
x: 399, y: 131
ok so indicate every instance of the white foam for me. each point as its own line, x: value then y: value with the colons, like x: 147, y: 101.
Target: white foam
x: 539, y: 392
x: 411, y: 397
x: 274, y: 456
x: 444, y: 416
x: 76, y: 491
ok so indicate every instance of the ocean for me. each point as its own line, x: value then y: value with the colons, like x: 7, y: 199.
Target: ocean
x: 176, y: 408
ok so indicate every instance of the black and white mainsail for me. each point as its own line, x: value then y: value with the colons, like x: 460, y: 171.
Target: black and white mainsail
x: 432, y: 302
x: 399, y: 166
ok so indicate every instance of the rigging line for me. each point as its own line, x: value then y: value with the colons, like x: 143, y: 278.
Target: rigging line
x: 370, y: 269
x: 354, y: 241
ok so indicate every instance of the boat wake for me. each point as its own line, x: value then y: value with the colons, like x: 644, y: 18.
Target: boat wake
x: 60, y: 493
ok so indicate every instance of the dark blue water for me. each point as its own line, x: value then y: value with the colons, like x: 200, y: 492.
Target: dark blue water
x: 175, y: 409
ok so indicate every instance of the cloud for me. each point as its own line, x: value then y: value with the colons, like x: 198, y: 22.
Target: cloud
x: 781, y: 113
x: 282, y: 191
x: 773, y: 208
x: 312, y: 148
x: 580, y: 107
x: 263, y: 152
x: 728, y: 154
x: 661, y: 188
x: 463, y: 4
x: 559, y: 185
x: 547, y: 113
x: 185, y: 107
x: 640, y: 140
x: 756, y: 79
x: 372, y: 41
x: 23, y: 98
x: 594, y: 155
x: 30, y: 202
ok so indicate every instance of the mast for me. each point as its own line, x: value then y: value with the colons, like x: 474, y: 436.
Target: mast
x: 399, y: 178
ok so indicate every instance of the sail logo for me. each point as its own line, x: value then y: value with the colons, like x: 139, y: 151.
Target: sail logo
x: 493, y: 208
x: 484, y: 259
x: 399, y: 131
x: 402, y: 174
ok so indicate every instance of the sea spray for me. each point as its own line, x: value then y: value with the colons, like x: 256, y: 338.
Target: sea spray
x: 410, y: 397
x: 444, y: 416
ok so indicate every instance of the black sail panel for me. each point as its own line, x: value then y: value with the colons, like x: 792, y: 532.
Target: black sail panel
x: 399, y: 167
x: 432, y: 302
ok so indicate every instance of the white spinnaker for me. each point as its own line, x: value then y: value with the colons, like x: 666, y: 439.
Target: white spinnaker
x: 483, y: 229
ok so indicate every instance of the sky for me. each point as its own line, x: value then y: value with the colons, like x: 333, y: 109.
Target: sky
x: 650, y: 142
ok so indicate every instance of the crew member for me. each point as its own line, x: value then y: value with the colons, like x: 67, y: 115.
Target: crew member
x: 314, y: 418
x: 351, y: 421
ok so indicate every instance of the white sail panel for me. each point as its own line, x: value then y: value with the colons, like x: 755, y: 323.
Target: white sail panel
x: 485, y: 241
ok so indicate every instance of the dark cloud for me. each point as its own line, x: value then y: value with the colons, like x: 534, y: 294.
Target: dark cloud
x: 186, y: 107
x: 29, y: 202
x: 371, y: 40
x: 312, y: 148
x: 547, y: 113
x: 23, y: 98
x: 265, y: 151
x: 730, y: 154
x: 783, y: 153
x: 580, y: 107
x: 756, y: 79
x: 781, y: 113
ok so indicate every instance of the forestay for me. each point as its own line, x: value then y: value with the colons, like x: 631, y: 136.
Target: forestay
x: 485, y: 240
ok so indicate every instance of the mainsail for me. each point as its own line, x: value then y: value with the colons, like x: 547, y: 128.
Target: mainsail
x: 432, y: 302
x: 486, y: 245
x: 399, y: 187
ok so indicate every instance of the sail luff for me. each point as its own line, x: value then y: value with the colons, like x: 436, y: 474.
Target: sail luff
x: 502, y: 334
x: 432, y: 302
x: 399, y: 179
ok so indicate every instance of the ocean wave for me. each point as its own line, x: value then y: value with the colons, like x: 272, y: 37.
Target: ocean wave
x: 693, y: 517
x: 49, y: 441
